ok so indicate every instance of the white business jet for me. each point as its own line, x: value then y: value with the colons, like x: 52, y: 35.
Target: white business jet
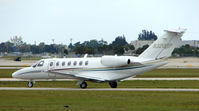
x: 111, y: 69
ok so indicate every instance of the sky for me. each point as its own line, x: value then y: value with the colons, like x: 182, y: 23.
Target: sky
x: 84, y: 20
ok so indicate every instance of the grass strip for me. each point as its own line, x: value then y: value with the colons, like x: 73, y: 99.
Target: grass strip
x: 98, y: 101
x: 22, y: 58
x: 171, y: 73
x: 16, y: 66
x: 7, y: 73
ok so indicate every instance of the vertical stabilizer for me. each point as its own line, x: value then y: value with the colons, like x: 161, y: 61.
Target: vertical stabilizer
x: 164, y: 45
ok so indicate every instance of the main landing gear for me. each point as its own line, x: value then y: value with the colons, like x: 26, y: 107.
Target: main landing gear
x: 83, y: 85
x: 30, y: 84
x: 113, y: 84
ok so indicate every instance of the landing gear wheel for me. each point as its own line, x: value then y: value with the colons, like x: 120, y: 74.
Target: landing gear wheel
x: 113, y: 84
x: 83, y: 85
x: 30, y: 84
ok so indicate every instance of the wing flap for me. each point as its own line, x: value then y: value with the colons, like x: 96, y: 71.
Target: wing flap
x: 87, y: 77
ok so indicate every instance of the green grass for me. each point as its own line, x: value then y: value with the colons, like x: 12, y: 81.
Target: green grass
x: 16, y: 66
x: 171, y: 73
x: 124, y: 84
x: 22, y: 58
x: 6, y: 73
x: 98, y: 101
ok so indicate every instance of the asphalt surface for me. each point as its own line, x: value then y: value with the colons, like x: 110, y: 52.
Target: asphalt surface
x: 12, y: 67
x: 100, y: 89
x: 168, y: 79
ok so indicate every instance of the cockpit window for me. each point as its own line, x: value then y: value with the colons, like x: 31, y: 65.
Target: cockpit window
x: 40, y: 64
x: 34, y: 65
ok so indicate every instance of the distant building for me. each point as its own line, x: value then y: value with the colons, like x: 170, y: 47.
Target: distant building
x: 137, y: 43
x: 194, y: 43
x: 140, y: 43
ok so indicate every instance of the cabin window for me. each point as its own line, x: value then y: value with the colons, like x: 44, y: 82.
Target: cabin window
x: 80, y: 63
x: 51, y: 64
x: 40, y: 63
x: 57, y: 64
x: 86, y: 63
x: 75, y: 63
x: 63, y: 63
x: 69, y: 63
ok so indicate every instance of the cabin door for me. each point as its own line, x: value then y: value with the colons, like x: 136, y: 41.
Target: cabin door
x: 51, y: 67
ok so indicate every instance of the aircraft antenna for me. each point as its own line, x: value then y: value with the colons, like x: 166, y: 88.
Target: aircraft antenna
x: 71, y: 40
x: 53, y: 40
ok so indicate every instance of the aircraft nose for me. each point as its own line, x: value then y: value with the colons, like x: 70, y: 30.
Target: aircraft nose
x: 15, y: 74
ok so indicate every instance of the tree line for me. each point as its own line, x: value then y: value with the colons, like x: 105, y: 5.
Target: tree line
x: 117, y: 46
x: 186, y: 50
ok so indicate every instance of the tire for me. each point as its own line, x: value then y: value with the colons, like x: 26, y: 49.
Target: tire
x: 83, y: 85
x: 113, y: 84
x: 30, y: 84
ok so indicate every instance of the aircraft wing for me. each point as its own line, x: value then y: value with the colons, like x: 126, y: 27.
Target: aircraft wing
x: 86, y: 76
x: 92, y: 77
x: 99, y: 76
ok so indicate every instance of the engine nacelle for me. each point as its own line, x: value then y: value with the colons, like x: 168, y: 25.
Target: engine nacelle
x: 115, y: 61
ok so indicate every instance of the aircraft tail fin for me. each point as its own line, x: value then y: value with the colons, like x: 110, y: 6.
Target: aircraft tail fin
x: 164, y: 45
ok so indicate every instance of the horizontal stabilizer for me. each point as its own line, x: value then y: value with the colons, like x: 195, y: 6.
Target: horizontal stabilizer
x: 176, y: 31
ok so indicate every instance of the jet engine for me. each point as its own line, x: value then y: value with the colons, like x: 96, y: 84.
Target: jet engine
x: 115, y: 61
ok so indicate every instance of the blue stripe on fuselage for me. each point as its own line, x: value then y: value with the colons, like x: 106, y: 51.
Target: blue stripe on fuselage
x: 124, y: 68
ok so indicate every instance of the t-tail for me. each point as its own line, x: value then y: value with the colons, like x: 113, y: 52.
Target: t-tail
x: 164, y: 45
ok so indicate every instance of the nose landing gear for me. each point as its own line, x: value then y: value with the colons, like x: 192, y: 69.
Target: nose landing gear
x: 30, y: 84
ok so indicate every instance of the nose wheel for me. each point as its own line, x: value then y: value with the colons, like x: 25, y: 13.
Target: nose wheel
x: 83, y: 85
x: 113, y: 84
x: 30, y: 84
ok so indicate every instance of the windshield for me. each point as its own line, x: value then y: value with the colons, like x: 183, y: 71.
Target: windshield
x: 35, y: 64
x: 38, y: 63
